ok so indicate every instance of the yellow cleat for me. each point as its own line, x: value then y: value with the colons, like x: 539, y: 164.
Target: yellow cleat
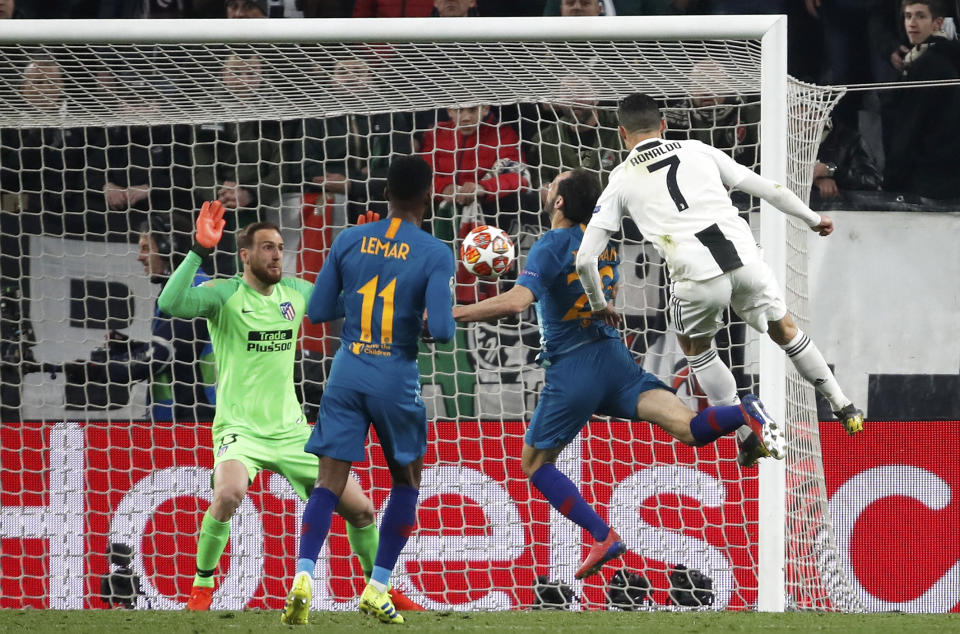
x: 297, y: 609
x: 851, y: 418
x: 380, y: 605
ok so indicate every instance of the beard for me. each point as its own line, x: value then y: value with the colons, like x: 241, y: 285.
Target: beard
x: 262, y: 273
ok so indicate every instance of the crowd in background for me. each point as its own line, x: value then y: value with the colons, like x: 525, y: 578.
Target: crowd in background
x: 491, y: 164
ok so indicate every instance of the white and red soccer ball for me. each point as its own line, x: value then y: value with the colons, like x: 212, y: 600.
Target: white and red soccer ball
x: 487, y: 252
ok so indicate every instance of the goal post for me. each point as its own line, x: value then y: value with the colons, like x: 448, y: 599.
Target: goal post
x: 152, y: 100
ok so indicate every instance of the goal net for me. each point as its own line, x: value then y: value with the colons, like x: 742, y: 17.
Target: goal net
x: 114, y: 132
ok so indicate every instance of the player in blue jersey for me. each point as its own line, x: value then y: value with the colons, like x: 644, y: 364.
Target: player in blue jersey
x: 386, y: 273
x: 589, y: 369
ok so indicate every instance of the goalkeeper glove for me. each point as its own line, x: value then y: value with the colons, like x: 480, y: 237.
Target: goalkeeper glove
x: 369, y: 216
x: 210, y: 224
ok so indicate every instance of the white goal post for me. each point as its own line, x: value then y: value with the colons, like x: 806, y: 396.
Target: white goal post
x: 432, y: 64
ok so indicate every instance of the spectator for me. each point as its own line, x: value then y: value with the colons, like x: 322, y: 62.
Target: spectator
x: 574, y: 7
x: 844, y: 162
x: 238, y: 163
x: 180, y: 368
x: 921, y: 126
x: 246, y: 8
x: 132, y: 170
x: 471, y: 155
x: 454, y: 8
x: 856, y: 38
x: 583, y: 136
x: 327, y: 8
x: 728, y: 123
x: 8, y: 10
x: 392, y: 8
x: 349, y: 155
x: 478, y: 175
x: 41, y: 168
x: 715, y: 117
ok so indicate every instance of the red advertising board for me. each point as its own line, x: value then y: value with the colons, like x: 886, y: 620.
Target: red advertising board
x: 67, y: 490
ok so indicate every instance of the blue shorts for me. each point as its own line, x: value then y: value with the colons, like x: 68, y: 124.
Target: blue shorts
x: 345, y: 416
x: 598, y: 378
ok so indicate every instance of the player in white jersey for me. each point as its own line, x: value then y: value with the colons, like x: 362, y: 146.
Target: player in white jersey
x: 676, y: 193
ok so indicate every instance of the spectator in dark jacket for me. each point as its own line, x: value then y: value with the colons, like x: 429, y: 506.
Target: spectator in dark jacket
x: 921, y: 125
x: 844, y: 163
x: 350, y: 154
x: 238, y: 163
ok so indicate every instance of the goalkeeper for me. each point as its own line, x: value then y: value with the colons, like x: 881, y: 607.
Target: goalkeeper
x: 253, y: 320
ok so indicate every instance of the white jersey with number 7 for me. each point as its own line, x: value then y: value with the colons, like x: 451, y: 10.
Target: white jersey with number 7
x: 676, y: 193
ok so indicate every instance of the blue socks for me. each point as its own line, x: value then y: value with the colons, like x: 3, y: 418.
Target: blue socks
x: 398, y: 521
x: 714, y: 422
x: 314, y: 528
x: 564, y: 496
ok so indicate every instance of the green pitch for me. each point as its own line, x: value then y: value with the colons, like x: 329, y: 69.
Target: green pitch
x: 146, y: 622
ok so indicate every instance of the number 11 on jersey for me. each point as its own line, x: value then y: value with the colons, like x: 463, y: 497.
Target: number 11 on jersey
x: 370, y: 294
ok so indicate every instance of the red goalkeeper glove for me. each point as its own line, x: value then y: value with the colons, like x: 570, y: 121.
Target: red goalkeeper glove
x: 210, y: 224
x: 369, y: 216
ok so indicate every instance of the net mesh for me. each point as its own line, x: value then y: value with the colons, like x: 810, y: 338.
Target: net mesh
x: 105, y: 147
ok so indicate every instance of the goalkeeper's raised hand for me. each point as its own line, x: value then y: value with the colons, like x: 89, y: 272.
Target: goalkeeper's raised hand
x: 210, y: 224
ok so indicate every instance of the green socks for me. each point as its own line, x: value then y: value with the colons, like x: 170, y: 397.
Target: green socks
x: 213, y: 539
x: 363, y: 542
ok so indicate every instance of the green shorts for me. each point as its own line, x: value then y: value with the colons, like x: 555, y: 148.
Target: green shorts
x: 280, y: 455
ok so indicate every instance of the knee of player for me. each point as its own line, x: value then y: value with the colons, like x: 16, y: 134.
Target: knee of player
x: 228, y: 498
x: 361, y: 516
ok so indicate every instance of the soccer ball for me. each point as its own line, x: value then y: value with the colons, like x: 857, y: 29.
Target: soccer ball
x: 487, y: 252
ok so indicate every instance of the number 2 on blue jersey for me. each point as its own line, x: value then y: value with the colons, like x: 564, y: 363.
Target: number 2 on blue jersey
x: 576, y: 311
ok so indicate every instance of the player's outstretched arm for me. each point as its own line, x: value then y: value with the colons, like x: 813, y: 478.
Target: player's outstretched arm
x: 737, y: 176
x: 513, y: 302
x: 179, y: 297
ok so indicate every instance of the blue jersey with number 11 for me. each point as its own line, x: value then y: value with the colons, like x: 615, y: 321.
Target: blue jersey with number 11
x: 387, y: 273
x: 563, y: 312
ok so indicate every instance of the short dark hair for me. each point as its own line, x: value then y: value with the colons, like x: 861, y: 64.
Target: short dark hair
x: 937, y: 7
x: 245, y: 237
x: 639, y: 113
x: 408, y: 179
x: 580, y: 191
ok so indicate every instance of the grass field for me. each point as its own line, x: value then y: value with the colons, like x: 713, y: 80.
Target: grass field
x: 119, y: 621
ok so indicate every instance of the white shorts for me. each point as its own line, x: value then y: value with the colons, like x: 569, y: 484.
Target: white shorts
x: 696, y: 308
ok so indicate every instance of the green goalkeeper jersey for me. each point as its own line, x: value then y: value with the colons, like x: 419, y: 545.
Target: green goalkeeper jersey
x: 254, y: 343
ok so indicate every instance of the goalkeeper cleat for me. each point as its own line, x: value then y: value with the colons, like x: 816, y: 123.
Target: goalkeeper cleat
x: 297, y: 608
x: 379, y: 604
x: 851, y: 418
x: 751, y: 450
x: 600, y: 553
x: 402, y: 602
x: 200, y: 599
x: 763, y: 425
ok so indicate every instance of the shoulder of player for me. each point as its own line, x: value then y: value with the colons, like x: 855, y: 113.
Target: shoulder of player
x: 558, y: 238
x: 222, y: 284
x: 695, y: 145
x: 295, y: 283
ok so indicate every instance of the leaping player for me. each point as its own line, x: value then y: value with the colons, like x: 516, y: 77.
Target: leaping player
x: 676, y: 193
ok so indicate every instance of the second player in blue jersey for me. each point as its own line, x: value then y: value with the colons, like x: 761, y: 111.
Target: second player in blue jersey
x: 588, y: 368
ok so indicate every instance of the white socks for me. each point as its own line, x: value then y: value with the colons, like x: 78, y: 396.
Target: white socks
x: 717, y: 382
x: 811, y: 365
